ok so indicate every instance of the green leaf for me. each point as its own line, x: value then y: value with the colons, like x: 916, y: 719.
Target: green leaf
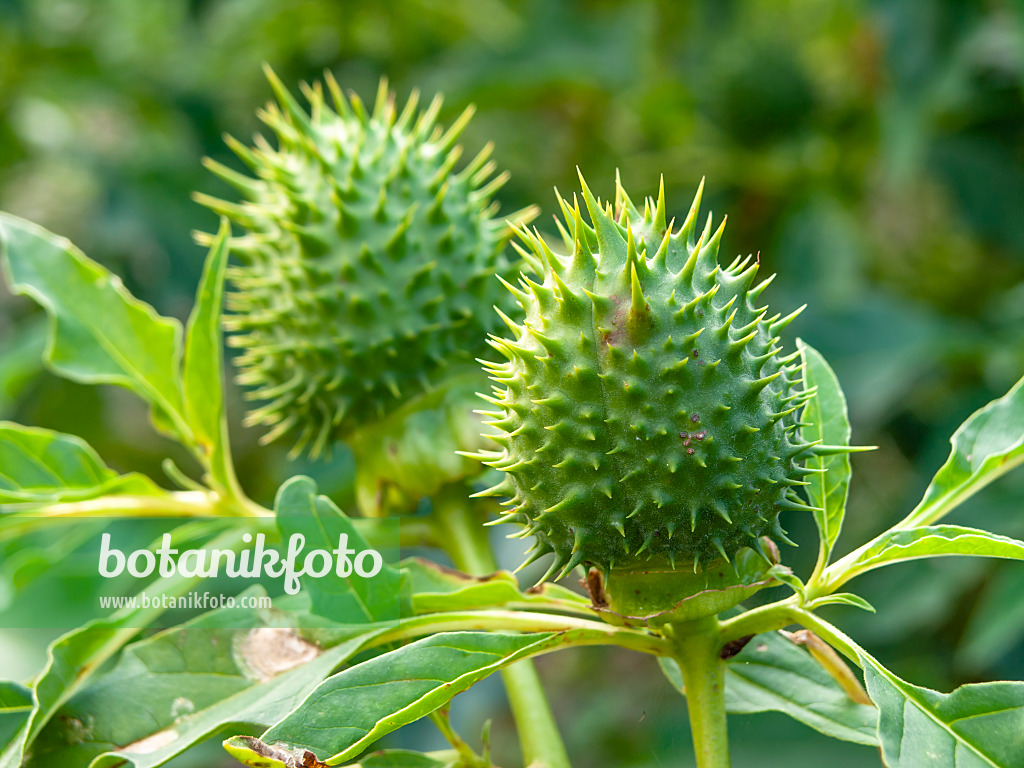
x: 989, y: 444
x: 202, y: 372
x: 973, y: 727
x: 100, y: 333
x: 300, y: 510
x: 351, y: 710
x: 827, y: 421
x: 436, y: 589
x: 15, y: 707
x: 21, y: 360
x: 773, y: 674
x: 841, y: 598
x: 38, y: 466
x: 899, y: 545
x: 70, y: 661
x: 400, y: 758
x: 231, y: 667
x: 74, y: 658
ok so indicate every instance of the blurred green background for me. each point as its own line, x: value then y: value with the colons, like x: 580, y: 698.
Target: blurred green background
x: 871, y: 152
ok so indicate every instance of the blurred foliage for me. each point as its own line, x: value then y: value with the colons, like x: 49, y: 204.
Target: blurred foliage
x: 871, y: 152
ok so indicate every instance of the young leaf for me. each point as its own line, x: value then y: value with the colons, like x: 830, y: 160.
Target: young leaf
x: 989, y: 444
x: 827, y: 420
x: 898, y: 545
x: 202, y: 372
x: 232, y: 666
x: 773, y: 674
x: 39, y: 466
x: 841, y: 598
x: 100, y: 333
x: 351, y: 710
x: 300, y: 510
x: 975, y: 726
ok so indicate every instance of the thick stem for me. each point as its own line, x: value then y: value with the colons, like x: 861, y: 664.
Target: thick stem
x: 465, y: 539
x: 697, y: 648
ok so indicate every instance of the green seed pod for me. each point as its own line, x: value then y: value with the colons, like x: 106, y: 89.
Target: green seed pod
x: 644, y: 410
x: 365, y: 274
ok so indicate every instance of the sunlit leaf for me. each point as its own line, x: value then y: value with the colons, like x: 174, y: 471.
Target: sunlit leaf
x: 300, y: 510
x: 975, y: 726
x: 202, y: 371
x: 898, y: 545
x: 15, y: 706
x: 232, y: 666
x: 73, y: 659
x: 100, y: 333
x: 41, y: 466
x: 351, y: 710
x: 989, y: 444
x: 828, y: 422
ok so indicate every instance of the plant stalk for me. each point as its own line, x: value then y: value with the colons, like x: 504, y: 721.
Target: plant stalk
x: 463, y: 535
x: 697, y: 647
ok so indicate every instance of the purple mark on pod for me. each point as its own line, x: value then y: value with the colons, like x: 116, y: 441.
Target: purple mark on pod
x: 695, y: 418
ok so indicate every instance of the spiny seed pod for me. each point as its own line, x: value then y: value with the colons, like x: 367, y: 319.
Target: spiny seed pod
x: 366, y: 271
x: 644, y: 410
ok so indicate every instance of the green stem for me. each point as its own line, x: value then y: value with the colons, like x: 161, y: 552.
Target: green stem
x: 766, y: 618
x: 696, y: 648
x: 782, y: 614
x: 466, y: 754
x: 461, y: 529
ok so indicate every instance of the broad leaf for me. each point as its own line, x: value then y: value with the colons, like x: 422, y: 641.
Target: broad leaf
x: 301, y: 511
x: 773, y: 674
x: 100, y: 333
x: 896, y: 546
x: 15, y: 706
x: 989, y: 444
x: 38, y: 466
x: 827, y: 421
x: 233, y: 666
x: 975, y: 726
x: 436, y: 588
x: 351, y: 710
x: 202, y: 372
x: 21, y: 360
x: 73, y: 659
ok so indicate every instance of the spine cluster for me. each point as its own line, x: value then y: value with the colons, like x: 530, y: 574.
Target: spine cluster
x: 366, y: 272
x: 644, y: 409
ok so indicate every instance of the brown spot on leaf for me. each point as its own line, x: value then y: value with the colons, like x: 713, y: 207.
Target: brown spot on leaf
x: 269, y: 651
